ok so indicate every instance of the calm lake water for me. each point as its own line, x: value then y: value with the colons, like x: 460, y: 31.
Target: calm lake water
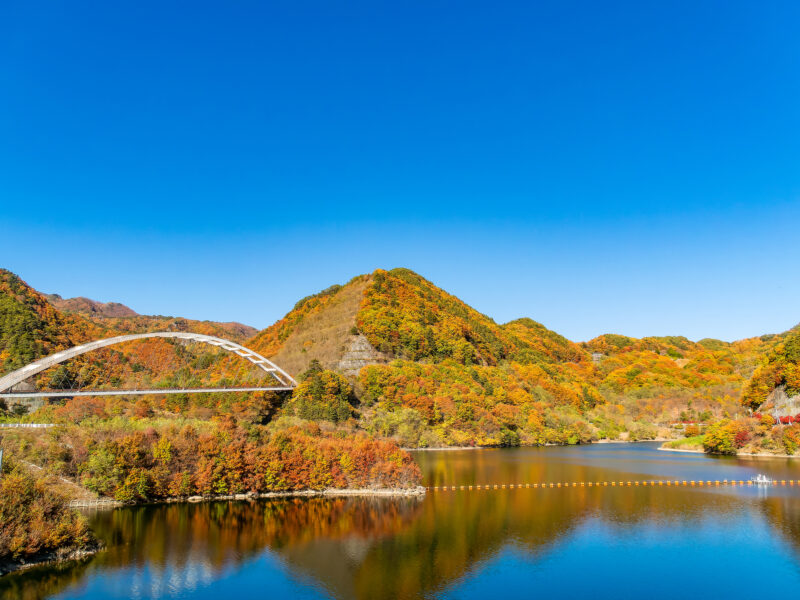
x: 568, y: 543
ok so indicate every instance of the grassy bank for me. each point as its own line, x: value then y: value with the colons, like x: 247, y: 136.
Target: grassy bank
x: 693, y: 443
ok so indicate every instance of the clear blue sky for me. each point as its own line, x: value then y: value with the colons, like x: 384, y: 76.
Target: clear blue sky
x: 630, y: 167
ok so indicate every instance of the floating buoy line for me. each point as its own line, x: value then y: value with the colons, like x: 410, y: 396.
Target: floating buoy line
x: 759, y: 481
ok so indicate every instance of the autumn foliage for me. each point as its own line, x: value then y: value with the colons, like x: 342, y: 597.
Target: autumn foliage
x: 409, y: 317
x: 34, y: 519
x: 322, y: 395
x: 781, y: 367
x: 146, y: 460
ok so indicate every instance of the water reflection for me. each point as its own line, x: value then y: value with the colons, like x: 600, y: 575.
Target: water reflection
x: 454, y: 544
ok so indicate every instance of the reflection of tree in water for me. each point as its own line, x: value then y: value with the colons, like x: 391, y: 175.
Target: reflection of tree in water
x: 405, y: 548
x: 782, y: 512
x: 456, y: 531
x: 42, y: 582
x: 186, y: 546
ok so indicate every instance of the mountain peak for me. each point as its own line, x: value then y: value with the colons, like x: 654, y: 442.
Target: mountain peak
x: 89, y: 307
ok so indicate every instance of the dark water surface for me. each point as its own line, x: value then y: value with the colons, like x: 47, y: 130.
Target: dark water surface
x: 630, y: 542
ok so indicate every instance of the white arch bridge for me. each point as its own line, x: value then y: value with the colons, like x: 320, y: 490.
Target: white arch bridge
x: 282, y: 380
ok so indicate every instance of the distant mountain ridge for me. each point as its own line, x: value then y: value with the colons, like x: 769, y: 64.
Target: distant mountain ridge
x: 90, y: 308
x: 123, y: 318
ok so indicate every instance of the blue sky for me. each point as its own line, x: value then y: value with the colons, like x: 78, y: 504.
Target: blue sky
x: 626, y: 167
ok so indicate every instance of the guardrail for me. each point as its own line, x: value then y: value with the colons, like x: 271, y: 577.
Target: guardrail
x: 93, y: 502
x: 25, y: 425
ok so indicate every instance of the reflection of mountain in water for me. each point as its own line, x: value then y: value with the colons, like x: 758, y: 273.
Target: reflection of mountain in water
x: 406, y: 548
x: 783, y: 515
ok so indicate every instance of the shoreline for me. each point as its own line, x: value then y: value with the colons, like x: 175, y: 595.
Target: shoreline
x: 737, y: 455
x: 681, y: 450
x: 416, y: 491
x: 603, y: 441
x: 53, y: 557
x: 60, y: 556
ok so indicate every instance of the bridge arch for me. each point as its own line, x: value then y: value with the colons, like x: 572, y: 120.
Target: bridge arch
x: 8, y: 381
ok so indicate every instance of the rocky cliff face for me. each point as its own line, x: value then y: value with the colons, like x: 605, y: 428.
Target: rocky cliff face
x: 359, y: 353
x: 326, y: 333
x: 780, y: 404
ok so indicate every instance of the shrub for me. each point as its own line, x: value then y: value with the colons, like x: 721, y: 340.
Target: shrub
x: 719, y: 438
x: 34, y: 519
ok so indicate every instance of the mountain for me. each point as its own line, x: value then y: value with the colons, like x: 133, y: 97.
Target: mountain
x: 123, y: 319
x: 30, y: 327
x: 776, y: 382
x: 236, y: 332
x: 626, y: 364
x: 431, y: 370
x: 401, y: 315
x: 408, y: 360
x: 90, y: 308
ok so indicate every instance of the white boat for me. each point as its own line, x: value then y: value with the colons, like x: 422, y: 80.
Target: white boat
x: 761, y: 480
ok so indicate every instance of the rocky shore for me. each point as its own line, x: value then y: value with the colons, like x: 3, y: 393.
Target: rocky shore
x: 10, y: 565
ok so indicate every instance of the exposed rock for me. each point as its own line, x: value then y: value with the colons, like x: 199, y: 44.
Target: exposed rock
x: 780, y: 404
x: 324, y: 335
x: 359, y: 353
x: 61, y: 555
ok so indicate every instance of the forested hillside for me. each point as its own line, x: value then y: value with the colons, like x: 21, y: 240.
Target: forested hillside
x: 144, y: 448
x: 780, y: 370
x: 439, y: 372
x: 30, y: 327
x: 392, y: 354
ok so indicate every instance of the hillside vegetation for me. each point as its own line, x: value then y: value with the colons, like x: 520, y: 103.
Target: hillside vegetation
x: 440, y: 373
x: 34, y: 521
x: 780, y: 368
x: 391, y: 354
x: 31, y: 328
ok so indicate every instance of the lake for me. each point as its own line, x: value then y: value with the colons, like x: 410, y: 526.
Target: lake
x: 629, y: 542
